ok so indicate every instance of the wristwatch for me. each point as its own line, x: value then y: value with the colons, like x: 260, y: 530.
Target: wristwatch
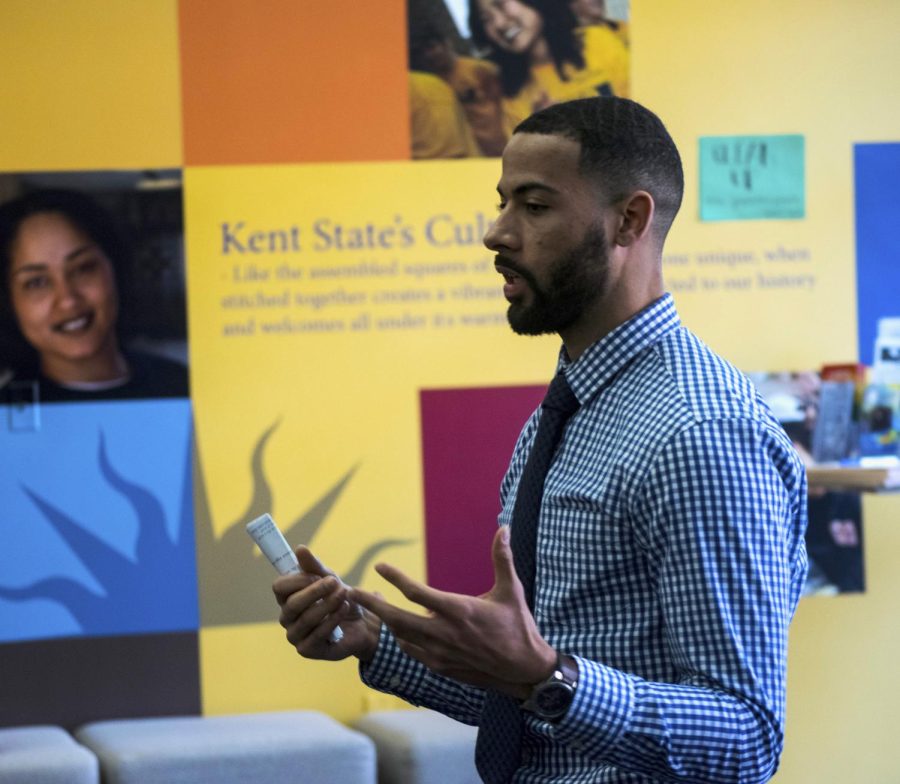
x: 551, y: 698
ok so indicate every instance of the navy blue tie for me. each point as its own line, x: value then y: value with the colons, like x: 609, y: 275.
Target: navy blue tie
x: 498, y: 752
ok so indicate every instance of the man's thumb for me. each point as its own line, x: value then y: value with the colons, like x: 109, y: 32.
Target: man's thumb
x: 310, y: 564
x: 504, y: 566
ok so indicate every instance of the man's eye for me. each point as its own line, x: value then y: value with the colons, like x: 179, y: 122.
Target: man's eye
x: 535, y: 208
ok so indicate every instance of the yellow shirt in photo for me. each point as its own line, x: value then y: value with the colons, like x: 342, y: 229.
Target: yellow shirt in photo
x: 605, y: 72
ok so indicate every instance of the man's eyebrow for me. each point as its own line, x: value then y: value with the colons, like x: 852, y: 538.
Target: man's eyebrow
x: 531, y: 186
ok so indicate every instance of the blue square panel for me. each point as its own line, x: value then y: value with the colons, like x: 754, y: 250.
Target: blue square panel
x: 877, y: 196
x: 97, y: 521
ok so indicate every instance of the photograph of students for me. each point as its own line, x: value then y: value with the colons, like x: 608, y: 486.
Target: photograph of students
x: 544, y: 57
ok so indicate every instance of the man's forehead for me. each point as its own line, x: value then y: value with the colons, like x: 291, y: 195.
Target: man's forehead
x: 545, y: 159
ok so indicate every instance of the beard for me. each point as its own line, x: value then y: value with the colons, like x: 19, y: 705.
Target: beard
x: 575, y: 281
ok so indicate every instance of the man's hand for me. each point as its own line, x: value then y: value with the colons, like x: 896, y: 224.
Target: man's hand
x: 490, y: 641
x: 313, y: 603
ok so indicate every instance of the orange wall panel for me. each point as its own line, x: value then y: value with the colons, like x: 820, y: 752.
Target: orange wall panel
x: 289, y: 82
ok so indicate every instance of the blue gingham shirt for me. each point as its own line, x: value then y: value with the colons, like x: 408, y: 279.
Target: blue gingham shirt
x: 670, y: 559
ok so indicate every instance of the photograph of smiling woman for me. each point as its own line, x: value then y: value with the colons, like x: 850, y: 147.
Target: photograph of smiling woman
x: 63, y: 264
x: 545, y: 56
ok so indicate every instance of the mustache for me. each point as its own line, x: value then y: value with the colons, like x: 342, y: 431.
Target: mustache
x: 507, y: 263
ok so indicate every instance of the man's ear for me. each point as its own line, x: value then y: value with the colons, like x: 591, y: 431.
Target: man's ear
x: 634, y: 216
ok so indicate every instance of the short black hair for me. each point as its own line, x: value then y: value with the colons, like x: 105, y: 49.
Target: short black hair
x: 624, y: 147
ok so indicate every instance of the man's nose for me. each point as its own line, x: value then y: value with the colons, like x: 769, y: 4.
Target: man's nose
x: 500, y: 235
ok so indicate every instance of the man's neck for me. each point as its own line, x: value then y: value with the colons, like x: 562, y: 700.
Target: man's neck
x: 607, y: 314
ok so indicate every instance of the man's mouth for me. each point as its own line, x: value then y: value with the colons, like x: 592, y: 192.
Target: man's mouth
x: 515, y: 285
x: 74, y: 326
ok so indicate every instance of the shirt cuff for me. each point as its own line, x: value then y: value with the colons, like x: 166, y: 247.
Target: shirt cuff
x: 600, y: 711
x: 389, y: 668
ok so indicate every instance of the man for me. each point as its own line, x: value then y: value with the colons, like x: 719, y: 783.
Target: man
x: 669, y: 555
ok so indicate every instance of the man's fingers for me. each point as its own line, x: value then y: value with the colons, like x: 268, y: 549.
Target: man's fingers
x: 318, y: 644
x: 286, y: 585
x: 315, y: 623
x: 401, y: 622
x: 312, y: 605
x: 376, y: 603
x: 322, y: 633
x: 418, y: 592
x: 299, y: 601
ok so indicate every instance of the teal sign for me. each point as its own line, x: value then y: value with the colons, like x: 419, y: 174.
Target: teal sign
x: 752, y: 177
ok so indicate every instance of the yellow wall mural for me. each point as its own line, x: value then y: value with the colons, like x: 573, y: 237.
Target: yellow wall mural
x: 331, y: 281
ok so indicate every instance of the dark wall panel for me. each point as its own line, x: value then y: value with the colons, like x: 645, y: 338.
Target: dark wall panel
x: 72, y: 681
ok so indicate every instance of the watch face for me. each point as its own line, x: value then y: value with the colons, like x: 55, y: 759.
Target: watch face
x: 553, y: 699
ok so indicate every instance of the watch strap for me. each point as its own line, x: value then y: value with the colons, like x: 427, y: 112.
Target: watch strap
x: 564, y: 678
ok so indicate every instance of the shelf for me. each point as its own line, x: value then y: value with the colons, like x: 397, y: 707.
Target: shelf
x: 866, y: 479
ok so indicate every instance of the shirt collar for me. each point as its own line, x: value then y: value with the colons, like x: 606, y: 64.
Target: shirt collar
x: 603, y: 360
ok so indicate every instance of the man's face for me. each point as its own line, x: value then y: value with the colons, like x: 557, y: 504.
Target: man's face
x: 573, y: 281
x: 549, y: 238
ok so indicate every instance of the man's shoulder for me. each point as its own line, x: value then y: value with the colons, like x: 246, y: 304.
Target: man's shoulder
x: 680, y: 386
x: 698, y: 383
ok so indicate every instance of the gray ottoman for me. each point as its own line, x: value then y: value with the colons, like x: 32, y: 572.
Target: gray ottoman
x: 295, y: 746
x: 421, y: 747
x: 44, y: 755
